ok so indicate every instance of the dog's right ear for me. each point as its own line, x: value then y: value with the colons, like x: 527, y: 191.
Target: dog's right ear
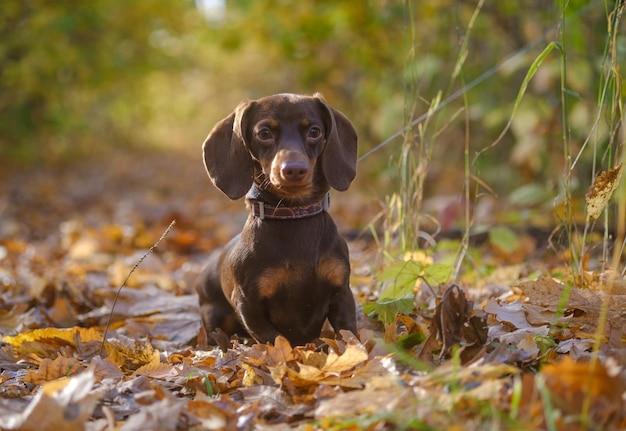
x: 226, y: 156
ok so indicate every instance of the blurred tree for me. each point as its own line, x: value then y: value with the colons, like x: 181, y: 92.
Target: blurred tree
x: 79, y: 76
x: 70, y: 70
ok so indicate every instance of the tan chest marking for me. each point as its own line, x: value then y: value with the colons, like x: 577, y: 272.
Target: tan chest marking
x: 332, y: 270
x: 272, y: 278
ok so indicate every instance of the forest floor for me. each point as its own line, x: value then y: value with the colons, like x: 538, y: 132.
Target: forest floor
x: 71, y: 234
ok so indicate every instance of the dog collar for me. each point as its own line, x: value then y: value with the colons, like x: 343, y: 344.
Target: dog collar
x: 263, y: 211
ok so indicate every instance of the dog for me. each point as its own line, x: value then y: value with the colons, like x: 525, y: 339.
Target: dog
x: 288, y: 270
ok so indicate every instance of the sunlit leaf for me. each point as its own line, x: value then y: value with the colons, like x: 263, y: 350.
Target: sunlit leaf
x: 401, y: 273
x: 47, y: 342
x: 387, y: 309
x: 132, y: 355
x: 438, y: 273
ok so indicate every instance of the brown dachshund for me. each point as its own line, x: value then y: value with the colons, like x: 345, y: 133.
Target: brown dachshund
x: 288, y: 270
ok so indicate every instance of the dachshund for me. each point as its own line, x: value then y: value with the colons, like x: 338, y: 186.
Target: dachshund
x: 288, y: 270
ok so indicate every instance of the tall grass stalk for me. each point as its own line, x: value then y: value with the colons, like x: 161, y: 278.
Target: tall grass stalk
x: 416, y: 149
x: 463, y: 52
x: 611, y: 111
x: 611, y: 89
x: 405, y: 208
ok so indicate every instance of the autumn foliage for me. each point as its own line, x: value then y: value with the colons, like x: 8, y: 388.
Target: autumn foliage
x: 497, y: 303
x: 505, y: 348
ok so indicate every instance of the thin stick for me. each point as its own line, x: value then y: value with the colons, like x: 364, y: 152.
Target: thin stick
x: 117, y: 295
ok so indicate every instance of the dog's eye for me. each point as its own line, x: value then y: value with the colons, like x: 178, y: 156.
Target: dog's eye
x: 264, y: 134
x: 315, y: 132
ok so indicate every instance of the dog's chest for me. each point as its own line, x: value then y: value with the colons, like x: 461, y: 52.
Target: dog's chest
x: 292, y: 260
x: 289, y: 278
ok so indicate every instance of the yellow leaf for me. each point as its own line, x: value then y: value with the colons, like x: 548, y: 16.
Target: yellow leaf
x: 46, y: 342
x: 308, y: 373
x: 131, y: 355
x: 249, y: 376
x: 67, y: 334
x: 157, y: 370
x: 353, y: 356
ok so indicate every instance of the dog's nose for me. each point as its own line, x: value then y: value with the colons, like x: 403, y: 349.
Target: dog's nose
x: 294, y: 171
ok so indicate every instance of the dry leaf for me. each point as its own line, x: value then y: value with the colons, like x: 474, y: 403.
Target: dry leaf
x: 450, y: 323
x: 601, y: 190
x: 281, y: 351
x: 510, y: 313
x: 49, y: 370
x: 212, y: 415
x: 47, y: 342
x: 318, y: 368
x: 63, y: 404
x: 163, y: 415
x: 105, y: 368
x: 337, y: 364
x: 157, y: 370
x: 571, y: 385
x: 370, y: 401
x: 131, y: 354
x: 50, y: 338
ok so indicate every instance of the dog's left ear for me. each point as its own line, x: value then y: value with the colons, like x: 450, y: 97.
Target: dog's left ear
x: 339, y: 156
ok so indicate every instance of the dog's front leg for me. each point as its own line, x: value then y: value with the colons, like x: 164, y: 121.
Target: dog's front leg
x: 254, y: 318
x: 342, y: 311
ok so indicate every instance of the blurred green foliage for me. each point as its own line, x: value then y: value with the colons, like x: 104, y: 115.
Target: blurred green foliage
x: 80, y: 77
x: 72, y: 71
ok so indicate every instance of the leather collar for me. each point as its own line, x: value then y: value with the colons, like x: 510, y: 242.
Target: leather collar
x: 263, y: 210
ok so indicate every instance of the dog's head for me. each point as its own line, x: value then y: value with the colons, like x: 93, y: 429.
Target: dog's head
x: 290, y: 145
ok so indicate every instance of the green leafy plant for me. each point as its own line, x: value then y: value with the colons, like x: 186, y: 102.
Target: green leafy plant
x: 400, y: 284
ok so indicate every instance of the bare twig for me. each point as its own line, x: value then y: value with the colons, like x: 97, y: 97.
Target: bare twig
x: 117, y: 295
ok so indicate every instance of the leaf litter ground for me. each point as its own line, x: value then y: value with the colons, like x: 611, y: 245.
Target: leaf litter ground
x: 503, y: 351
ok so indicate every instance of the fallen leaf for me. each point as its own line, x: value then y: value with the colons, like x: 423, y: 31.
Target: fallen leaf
x: 105, y: 368
x: 61, y: 367
x: 450, y: 324
x: 511, y: 313
x: 64, y: 404
x: 164, y: 414
x: 367, y: 402
x: 280, y: 352
x: 351, y: 357
x: 157, y: 370
x: 571, y: 386
x: 46, y: 343
x: 130, y: 354
x: 212, y: 415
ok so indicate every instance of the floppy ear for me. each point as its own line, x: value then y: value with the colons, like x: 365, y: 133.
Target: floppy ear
x: 226, y: 157
x: 339, y: 156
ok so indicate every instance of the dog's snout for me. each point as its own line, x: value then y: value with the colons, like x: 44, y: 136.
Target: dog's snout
x: 294, y: 170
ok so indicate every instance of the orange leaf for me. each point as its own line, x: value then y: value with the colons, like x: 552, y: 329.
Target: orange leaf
x: 52, y: 370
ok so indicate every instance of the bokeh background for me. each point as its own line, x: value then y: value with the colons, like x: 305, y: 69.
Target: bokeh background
x: 83, y: 79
